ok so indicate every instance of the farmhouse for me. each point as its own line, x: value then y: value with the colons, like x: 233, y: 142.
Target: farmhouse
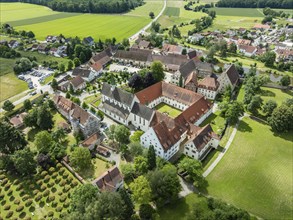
x: 80, y: 120
x: 230, y: 77
x: 111, y: 180
x: 166, y: 134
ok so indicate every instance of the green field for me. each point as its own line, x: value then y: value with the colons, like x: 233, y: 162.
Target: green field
x: 172, y: 11
x: 171, y: 111
x: 45, y: 195
x: 256, y: 173
x: 43, y: 21
x: 241, y: 12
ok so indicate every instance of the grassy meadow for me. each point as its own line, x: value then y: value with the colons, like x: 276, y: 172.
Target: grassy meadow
x: 256, y: 173
x: 43, y: 21
x: 241, y: 12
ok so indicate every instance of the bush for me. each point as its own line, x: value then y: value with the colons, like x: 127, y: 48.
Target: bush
x: 54, y: 204
x: 50, y: 184
x: 66, y: 204
x: 17, y: 201
x: 29, y: 202
x: 31, y: 186
x: 44, y: 173
x: 60, y: 193
x: 2, y: 177
x: 19, y: 187
x: 51, y: 170
x: 47, y: 178
x: 50, y: 214
x: 16, y: 182
x: 40, y: 182
x: 19, y: 208
x: 63, y: 183
x: 59, y: 165
x: 9, y: 214
x: 9, y: 192
x: 38, y: 197
x: 7, y: 186
x: 146, y: 211
x: 65, y: 175
x: 59, y: 209
x: 67, y: 188
x: 51, y: 198
x: 54, y: 175
x: 74, y: 183
x: 62, y: 170
x: 4, y: 181
x: 63, y: 198
x: 58, y: 179
x: 35, y: 192
x: 28, y: 218
x: 26, y: 197
x: 43, y: 187
x: 6, y: 207
x: 46, y: 193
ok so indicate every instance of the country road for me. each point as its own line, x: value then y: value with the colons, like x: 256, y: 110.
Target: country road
x: 133, y: 37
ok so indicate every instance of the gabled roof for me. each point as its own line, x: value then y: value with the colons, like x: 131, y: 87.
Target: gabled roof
x: 247, y: 48
x: 80, y: 114
x: 91, y: 140
x: 115, y: 109
x: 108, y: 180
x: 172, y: 48
x: 144, y: 44
x: 142, y: 111
x: 232, y: 74
x: 118, y: 94
x: 17, y: 120
x: 77, y: 81
x: 192, y: 65
x: 159, y: 89
x: 78, y: 71
x: 135, y: 54
x: 103, y: 57
x: 209, y: 83
x: 63, y: 103
x: 175, y: 59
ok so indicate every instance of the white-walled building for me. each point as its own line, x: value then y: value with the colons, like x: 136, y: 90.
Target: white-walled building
x: 230, y: 77
x: 208, y: 87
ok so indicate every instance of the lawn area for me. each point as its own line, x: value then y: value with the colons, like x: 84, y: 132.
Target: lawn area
x: 266, y: 94
x: 43, y: 21
x: 43, y: 196
x: 95, y: 170
x: 180, y: 208
x: 256, y: 173
x: 169, y: 110
x: 10, y: 85
x: 241, y: 12
x: 172, y: 11
x: 93, y: 99
x: 217, y: 122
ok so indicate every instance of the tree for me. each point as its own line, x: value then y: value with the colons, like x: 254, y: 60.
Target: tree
x: 140, y: 165
x: 128, y: 171
x: 234, y: 111
x: 181, y: 81
x: 82, y: 57
x: 57, y: 151
x: 125, y: 42
x: 135, y: 81
x: 11, y: 139
x: 128, y: 207
x: 148, y: 80
x: 151, y: 158
x: 184, y: 51
x: 44, y: 160
x: 135, y: 137
x: 76, y: 62
x: 211, y: 53
x: 282, y: 118
x: 232, y: 48
x: 80, y: 158
x: 157, y: 71
x: 121, y: 134
x: 135, y: 149
x: 269, y: 58
x: 165, y: 184
x: 141, y: 190
x: 155, y: 27
x: 69, y: 65
x: 255, y: 104
x: 101, y: 115
x: 82, y: 196
x: 44, y: 118
x: 285, y: 80
x: 8, y: 106
x: 54, y: 84
x: 24, y: 64
x: 194, y: 170
x: 27, y: 105
x: 223, y: 48
x: 43, y: 142
x: 146, y: 212
x: 61, y: 67
x: 269, y: 107
x: 24, y: 162
x: 152, y: 15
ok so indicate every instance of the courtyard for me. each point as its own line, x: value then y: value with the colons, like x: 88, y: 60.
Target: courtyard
x: 168, y: 110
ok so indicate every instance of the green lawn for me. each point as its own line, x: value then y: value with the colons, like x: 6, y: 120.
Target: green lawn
x: 256, y: 173
x: 180, y: 208
x: 171, y: 111
x: 241, y: 12
x: 43, y: 21
x: 172, y: 11
x: 37, y: 196
x: 217, y: 122
x: 93, y: 99
x: 266, y: 94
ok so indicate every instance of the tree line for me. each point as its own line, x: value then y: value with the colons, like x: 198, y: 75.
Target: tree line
x: 255, y: 4
x: 86, y: 6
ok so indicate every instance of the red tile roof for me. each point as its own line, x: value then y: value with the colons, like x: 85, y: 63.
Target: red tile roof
x: 209, y: 83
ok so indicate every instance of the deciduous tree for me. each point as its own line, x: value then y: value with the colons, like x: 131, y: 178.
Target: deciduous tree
x: 24, y: 162
x: 80, y: 158
x: 141, y: 190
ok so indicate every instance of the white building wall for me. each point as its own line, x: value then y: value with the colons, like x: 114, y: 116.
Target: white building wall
x: 139, y: 122
x: 203, y: 117
x: 150, y: 138
x: 209, y: 94
x: 224, y: 82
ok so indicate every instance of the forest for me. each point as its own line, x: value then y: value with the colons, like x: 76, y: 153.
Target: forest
x: 86, y: 6
x: 285, y: 4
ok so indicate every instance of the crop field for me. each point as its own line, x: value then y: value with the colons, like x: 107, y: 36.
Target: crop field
x: 256, y: 173
x: 44, y: 196
x: 172, y: 11
x: 43, y: 21
x: 240, y: 12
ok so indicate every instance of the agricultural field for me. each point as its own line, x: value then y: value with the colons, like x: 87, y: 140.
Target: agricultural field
x: 171, y: 17
x: 43, y: 21
x: 169, y: 110
x: 45, y: 195
x: 260, y: 181
x: 239, y: 12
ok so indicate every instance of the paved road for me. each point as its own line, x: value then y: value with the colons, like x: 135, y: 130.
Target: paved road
x: 221, y: 155
x: 135, y: 36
